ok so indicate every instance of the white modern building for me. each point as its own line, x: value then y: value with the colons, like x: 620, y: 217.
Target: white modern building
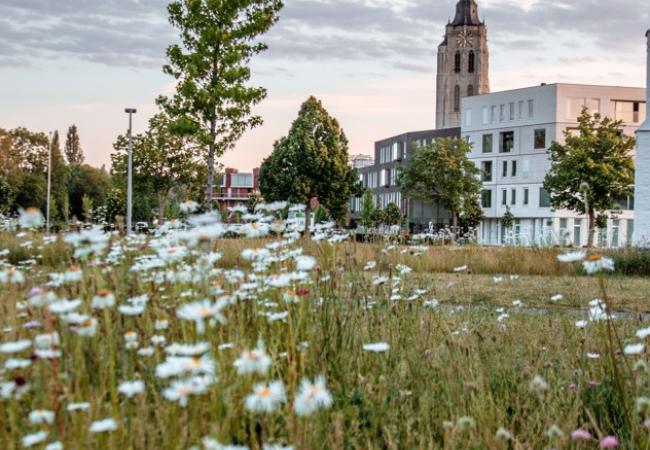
x: 642, y: 192
x: 511, y: 131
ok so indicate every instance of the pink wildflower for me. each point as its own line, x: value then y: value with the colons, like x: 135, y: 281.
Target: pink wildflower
x: 580, y: 435
x: 609, y: 442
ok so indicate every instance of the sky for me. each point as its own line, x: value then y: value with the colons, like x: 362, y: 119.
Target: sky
x: 371, y: 62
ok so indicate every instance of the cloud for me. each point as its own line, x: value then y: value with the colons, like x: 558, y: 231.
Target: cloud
x: 403, y: 35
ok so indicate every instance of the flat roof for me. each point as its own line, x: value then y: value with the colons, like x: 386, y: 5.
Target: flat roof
x: 544, y: 85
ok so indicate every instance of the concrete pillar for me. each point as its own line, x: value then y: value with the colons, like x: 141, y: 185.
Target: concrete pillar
x: 642, y: 186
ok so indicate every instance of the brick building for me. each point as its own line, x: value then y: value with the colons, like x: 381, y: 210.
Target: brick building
x: 236, y: 187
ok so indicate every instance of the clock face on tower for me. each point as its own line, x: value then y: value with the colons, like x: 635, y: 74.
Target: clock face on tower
x: 465, y: 38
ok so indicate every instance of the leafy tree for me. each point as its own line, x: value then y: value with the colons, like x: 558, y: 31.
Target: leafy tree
x: 212, y: 101
x: 592, y: 169
x: 378, y: 217
x: 87, y: 181
x: 508, y: 218
x: 60, y: 177
x: 393, y: 214
x: 472, y: 214
x: 311, y: 162
x: 73, y: 151
x: 88, y: 208
x: 367, y: 209
x: 321, y: 215
x: 251, y: 203
x: 162, y: 162
x: 6, y: 195
x: 442, y: 172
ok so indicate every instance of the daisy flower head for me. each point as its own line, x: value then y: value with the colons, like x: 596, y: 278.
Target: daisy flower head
x: 33, y: 439
x: 104, y: 299
x: 202, y: 311
x: 312, y: 396
x: 253, y: 361
x: 377, y: 347
x: 265, y: 397
x: 572, y: 257
x: 189, y: 207
x: 180, y: 390
x: 598, y: 263
x: 30, y: 218
x: 102, y: 426
x: 41, y: 416
x: 131, y: 388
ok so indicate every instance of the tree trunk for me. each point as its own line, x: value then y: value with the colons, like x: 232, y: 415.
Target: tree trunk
x: 211, y: 150
x: 307, y: 218
x: 454, y: 226
x: 592, y: 228
x: 162, y: 202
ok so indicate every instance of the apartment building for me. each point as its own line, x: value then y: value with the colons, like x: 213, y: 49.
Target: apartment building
x: 382, y: 177
x: 236, y: 187
x: 511, y: 131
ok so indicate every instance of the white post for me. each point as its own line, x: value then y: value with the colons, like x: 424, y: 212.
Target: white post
x: 129, y: 183
x: 49, y: 183
x: 642, y: 172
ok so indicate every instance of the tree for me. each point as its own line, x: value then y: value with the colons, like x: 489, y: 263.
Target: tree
x: 73, y: 151
x: 311, y: 162
x: 87, y: 181
x: 212, y: 101
x: 508, y: 218
x: 393, y: 214
x: 87, y: 205
x: 442, y: 172
x: 162, y: 161
x: 367, y: 209
x: 593, y: 169
x: 321, y: 215
x: 60, y: 178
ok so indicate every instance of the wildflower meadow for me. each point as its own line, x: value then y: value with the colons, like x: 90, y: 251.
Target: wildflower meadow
x: 241, y: 332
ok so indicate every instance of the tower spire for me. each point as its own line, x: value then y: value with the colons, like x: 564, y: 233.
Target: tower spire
x: 466, y: 13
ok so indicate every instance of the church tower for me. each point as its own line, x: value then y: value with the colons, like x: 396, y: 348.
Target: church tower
x: 463, y: 64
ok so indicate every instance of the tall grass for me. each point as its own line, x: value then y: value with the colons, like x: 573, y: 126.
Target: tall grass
x: 451, y: 378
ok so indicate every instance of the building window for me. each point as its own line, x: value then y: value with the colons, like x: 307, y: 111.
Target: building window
x: 531, y: 108
x: 486, y: 171
x: 513, y: 197
x: 457, y: 62
x: 241, y: 180
x: 521, y: 109
x: 577, y: 232
x: 487, y: 143
x: 540, y: 138
x: 486, y: 115
x: 493, y: 114
x: 486, y: 198
x: 574, y: 107
x: 504, y: 171
x: 514, y: 168
x: 502, y: 113
x: 470, y: 90
x: 456, y: 98
x: 504, y: 197
x: 629, y: 112
x: 594, y: 105
x: 507, y: 141
x: 525, y: 168
x: 468, y: 117
x: 471, y: 62
x: 526, y: 196
x: 511, y: 110
x: 544, y: 198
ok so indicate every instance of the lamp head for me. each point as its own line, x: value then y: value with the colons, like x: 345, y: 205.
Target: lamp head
x: 130, y: 110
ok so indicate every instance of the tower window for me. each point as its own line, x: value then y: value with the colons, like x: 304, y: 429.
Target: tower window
x: 457, y: 62
x: 457, y: 98
x: 470, y: 90
x: 471, y: 64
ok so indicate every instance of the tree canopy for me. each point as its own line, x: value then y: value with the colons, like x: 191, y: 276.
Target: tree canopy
x: 311, y: 162
x: 593, y: 169
x: 443, y: 172
x: 213, y: 102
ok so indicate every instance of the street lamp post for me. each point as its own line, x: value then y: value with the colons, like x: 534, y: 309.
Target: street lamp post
x: 129, y: 183
x: 49, y: 183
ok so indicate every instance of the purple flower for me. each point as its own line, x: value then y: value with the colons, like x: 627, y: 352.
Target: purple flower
x: 580, y: 435
x: 609, y: 442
